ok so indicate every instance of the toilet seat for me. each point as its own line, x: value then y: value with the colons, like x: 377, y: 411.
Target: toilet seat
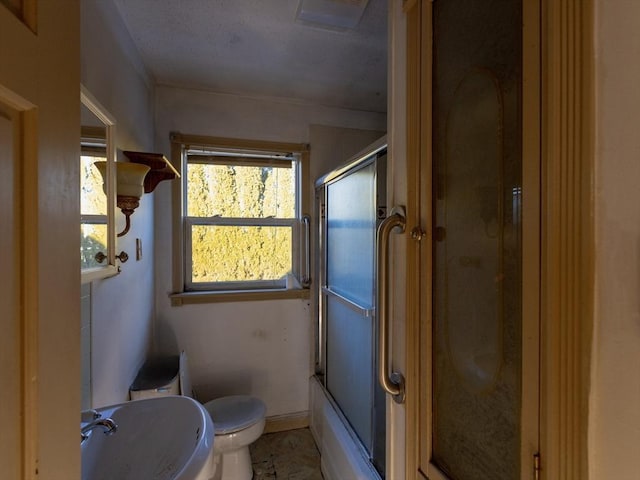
x: 234, y: 413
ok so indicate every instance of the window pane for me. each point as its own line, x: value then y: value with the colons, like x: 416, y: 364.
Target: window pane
x: 240, y: 191
x: 93, y: 239
x: 93, y: 201
x: 232, y: 254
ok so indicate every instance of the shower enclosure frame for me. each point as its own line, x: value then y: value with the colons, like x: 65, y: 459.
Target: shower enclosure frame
x: 373, y: 157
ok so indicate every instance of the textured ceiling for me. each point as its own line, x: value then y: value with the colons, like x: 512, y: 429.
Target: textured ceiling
x: 255, y: 47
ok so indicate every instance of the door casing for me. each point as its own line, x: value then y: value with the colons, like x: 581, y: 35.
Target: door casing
x: 38, y: 42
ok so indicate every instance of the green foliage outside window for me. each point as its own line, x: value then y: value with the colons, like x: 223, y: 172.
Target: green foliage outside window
x: 233, y: 254
x: 93, y: 201
x: 244, y: 195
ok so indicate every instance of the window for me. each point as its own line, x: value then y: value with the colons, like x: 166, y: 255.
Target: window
x: 93, y: 201
x: 97, y: 208
x: 241, y: 216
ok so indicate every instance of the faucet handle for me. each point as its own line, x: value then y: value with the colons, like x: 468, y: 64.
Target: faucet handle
x: 108, y: 426
x: 90, y: 415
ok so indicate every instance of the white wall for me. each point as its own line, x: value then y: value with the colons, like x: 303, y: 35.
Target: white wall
x: 122, y: 306
x: 615, y: 398
x: 259, y: 348
x: 333, y: 146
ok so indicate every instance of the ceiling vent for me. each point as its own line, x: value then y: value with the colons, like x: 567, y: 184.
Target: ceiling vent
x: 331, y: 14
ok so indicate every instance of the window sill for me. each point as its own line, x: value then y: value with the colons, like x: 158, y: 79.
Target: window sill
x: 188, y: 298
x: 88, y: 275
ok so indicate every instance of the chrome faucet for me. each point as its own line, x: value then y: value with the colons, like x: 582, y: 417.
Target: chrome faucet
x: 108, y: 426
x: 87, y: 416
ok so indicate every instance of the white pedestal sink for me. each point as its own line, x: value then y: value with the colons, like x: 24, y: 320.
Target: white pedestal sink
x: 166, y: 438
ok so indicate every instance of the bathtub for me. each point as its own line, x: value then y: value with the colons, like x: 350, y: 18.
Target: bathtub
x: 341, y: 455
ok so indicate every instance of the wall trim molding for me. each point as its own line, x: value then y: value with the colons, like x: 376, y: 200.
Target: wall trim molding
x: 567, y: 235
x: 291, y: 421
x: 418, y: 163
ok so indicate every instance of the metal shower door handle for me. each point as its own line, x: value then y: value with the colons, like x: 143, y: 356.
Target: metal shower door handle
x: 306, y: 278
x: 392, y: 383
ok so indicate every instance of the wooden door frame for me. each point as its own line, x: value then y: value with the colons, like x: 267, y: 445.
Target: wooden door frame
x: 40, y: 94
x: 568, y: 251
x: 566, y: 124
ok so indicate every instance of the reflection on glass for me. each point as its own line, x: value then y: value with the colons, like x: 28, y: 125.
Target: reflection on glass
x: 472, y: 213
x: 93, y: 239
x: 93, y: 201
x: 93, y: 209
x: 477, y: 253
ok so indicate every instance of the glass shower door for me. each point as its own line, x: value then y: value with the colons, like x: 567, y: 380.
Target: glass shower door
x: 348, y: 300
x: 477, y: 299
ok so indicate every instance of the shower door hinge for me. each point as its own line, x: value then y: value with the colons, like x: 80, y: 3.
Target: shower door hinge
x: 536, y: 466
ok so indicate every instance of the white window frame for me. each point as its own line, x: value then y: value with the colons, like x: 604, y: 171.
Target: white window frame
x: 110, y: 268
x: 251, y: 152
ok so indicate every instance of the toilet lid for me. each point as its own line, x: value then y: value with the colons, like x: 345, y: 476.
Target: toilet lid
x: 234, y: 413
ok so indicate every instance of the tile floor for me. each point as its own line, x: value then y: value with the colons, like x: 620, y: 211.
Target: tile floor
x: 290, y: 455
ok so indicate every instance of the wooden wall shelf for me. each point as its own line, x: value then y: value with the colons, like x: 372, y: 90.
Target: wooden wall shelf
x: 161, y: 168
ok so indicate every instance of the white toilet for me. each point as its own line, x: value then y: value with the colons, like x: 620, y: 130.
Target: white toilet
x: 238, y: 421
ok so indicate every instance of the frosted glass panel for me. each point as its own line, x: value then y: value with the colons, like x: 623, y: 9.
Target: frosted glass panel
x: 349, y: 365
x: 351, y: 205
x: 477, y: 253
x: 351, y: 224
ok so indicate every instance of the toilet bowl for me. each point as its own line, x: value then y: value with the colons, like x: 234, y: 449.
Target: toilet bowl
x: 238, y: 421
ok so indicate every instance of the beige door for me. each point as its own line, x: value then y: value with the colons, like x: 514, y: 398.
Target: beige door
x: 39, y: 354
x: 477, y: 137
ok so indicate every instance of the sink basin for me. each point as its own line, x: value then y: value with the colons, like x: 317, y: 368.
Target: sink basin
x: 164, y: 438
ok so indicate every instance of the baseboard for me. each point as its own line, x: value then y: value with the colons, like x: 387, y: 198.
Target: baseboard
x: 281, y: 423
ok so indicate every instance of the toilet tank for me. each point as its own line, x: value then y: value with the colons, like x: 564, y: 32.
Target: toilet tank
x: 158, y: 377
